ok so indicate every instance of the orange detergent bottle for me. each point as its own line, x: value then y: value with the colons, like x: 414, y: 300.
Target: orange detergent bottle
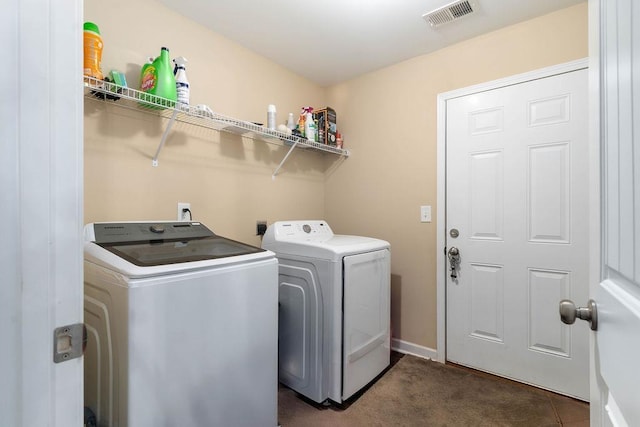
x: 92, y: 51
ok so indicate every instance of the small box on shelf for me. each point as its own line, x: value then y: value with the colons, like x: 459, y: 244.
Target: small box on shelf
x: 327, y: 127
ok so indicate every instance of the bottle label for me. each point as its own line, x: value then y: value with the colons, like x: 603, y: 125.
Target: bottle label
x: 148, y: 79
x: 183, y: 92
x: 92, y: 55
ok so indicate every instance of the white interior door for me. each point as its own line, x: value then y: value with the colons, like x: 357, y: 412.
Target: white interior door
x: 615, y: 54
x: 517, y: 194
x: 41, y: 215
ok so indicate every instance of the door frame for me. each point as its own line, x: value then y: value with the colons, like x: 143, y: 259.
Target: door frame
x: 441, y: 266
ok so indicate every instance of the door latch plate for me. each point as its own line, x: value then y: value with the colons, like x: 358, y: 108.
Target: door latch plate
x: 68, y: 342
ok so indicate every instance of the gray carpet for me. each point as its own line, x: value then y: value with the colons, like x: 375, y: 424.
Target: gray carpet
x: 418, y: 392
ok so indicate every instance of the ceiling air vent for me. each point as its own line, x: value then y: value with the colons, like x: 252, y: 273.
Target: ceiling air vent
x: 449, y: 13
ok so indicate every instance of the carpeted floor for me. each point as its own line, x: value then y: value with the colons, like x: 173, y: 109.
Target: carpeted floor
x: 419, y: 392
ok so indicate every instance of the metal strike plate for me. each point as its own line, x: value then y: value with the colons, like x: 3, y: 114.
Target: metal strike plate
x: 67, y: 342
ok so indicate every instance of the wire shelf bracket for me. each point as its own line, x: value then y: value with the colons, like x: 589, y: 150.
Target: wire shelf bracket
x: 154, y: 161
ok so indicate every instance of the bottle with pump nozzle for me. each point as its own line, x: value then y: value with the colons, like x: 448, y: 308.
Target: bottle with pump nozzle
x: 182, y: 84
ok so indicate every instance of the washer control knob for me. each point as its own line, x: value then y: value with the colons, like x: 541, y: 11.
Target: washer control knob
x: 306, y: 228
x: 157, y: 228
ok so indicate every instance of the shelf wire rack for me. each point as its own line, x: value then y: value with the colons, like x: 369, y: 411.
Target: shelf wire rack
x: 200, y: 115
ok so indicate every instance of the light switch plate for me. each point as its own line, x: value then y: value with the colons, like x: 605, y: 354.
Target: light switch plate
x: 425, y: 213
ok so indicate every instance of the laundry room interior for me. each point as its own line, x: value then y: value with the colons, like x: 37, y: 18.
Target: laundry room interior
x: 374, y: 186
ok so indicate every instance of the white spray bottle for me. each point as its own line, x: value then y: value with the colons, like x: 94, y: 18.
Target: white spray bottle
x: 182, y: 84
x: 309, y: 127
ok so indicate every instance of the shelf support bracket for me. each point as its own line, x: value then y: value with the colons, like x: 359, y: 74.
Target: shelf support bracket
x: 154, y: 162
x: 275, y: 172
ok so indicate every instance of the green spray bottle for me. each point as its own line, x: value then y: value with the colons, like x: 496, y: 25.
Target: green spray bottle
x: 156, y: 78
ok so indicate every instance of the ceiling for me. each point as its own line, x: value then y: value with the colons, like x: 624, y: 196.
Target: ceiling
x: 330, y: 41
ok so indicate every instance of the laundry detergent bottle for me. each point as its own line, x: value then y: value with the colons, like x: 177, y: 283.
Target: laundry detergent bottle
x: 92, y: 51
x: 157, y: 79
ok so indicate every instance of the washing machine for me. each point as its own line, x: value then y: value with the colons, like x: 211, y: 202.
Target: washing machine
x: 334, y: 322
x: 182, y: 327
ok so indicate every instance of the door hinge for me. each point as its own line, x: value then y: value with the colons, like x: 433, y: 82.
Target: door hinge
x: 69, y: 342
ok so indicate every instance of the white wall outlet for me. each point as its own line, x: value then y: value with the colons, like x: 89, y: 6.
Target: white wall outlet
x: 425, y: 213
x: 184, y: 211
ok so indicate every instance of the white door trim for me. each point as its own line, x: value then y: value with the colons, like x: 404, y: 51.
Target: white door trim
x: 441, y: 270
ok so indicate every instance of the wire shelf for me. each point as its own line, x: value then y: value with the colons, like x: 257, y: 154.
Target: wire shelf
x: 134, y: 99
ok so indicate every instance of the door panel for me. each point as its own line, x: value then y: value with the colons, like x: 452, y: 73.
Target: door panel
x: 617, y: 347
x: 616, y: 343
x: 517, y: 192
x: 549, y: 189
x: 546, y: 334
x: 487, y: 302
x: 487, y: 200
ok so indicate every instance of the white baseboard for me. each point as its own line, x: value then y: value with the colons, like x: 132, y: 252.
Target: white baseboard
x: 413, y: 349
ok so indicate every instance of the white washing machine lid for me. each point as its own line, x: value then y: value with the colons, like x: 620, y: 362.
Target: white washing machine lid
x: 315, y: 239
x: 145, y: 249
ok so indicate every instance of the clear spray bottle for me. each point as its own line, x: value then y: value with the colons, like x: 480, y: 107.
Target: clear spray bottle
x: 182, y: 84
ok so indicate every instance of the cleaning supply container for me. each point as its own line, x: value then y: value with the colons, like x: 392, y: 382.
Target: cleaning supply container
x: 271, y: 117
x: 92, y: 51
x: 182, y: 83
x: 157, y: 79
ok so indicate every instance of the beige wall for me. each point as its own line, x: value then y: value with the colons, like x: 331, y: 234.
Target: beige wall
x: 389, y: 122
x: 388, y: 118
x: 226, y: 179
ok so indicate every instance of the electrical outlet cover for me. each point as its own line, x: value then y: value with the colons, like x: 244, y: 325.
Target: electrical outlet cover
x: 182, y: 215
x: 261, y: 228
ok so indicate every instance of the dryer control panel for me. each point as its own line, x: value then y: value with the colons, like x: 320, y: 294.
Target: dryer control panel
x: 294, y: 230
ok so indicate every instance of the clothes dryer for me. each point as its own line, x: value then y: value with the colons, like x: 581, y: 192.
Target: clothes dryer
x: 334, y: 322
x: 182, y: 327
